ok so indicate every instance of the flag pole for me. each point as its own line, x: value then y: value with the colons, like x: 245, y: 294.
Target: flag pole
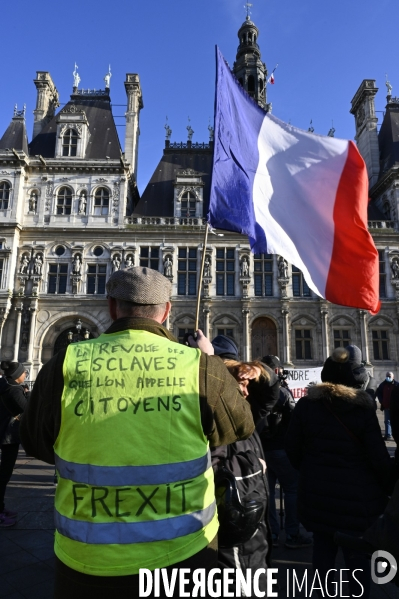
x: 200, y: 280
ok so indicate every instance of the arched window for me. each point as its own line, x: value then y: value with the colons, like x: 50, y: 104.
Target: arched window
x: 251, y: 84
x: 4, y: 195
x: 64, y: 200
x: 70, y: 143
x: 101, y: 201
x: 260, y: 85
x: 188, y: 204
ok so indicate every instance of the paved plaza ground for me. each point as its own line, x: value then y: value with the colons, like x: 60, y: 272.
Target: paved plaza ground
x: 26, y: 550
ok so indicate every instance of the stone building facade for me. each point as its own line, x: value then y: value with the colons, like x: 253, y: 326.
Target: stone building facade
x: 70, y: 214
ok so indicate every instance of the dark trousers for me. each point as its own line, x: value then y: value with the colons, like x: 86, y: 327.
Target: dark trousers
x: 70, y: 583
x: 9, y: 454
x: 324, y: 554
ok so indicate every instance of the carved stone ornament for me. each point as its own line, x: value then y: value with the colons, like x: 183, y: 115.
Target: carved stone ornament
x: 49, y: 194
x: 101, y: 180
x: 72, y: 110
x: 75, y: 280
x: 115, y: 196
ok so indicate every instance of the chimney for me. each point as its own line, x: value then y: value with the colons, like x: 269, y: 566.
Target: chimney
x: 134, y: 105
x: 46, y: 103
x: 363, y: 109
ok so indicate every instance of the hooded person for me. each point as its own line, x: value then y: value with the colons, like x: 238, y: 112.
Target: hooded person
x: 334, y: 440
x: 276, y: 416
x: 13, y: 402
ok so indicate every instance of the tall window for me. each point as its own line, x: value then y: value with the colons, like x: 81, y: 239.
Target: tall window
x: 187, y: 271
x: 101, y: 201
x: 299, y: 286
x: 226, y: 332
x: 303, y: 344
x: 383, y: 276
x: 183, y: 332
x: 64, y: 201
x: 4, y: 195
x: 70, y: 143
x: 96, y: 275
x: 380, y: 345
x: 149, y: 256
x: 1, y: 272
x: 263, y: 277
x: 57, y: 278
x: 225, y: 266
x: 342, y: 337
x: 188, y: 204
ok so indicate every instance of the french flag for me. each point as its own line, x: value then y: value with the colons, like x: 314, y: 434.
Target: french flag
x: 300, y: 195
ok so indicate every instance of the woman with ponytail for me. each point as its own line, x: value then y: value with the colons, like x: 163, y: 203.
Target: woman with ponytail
x: 13, y: 401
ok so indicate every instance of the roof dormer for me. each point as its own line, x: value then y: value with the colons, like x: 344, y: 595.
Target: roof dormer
x: 72, y: 133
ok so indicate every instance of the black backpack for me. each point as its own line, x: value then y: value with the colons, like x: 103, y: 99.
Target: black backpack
x: 241, y: 494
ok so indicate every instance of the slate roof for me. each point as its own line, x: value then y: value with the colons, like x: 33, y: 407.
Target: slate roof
x: 15, y: 136
x: 103, y: 141
x: 388, y: 138
x: 158, y: 196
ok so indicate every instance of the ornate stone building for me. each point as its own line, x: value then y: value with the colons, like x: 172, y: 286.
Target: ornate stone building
x: 70, y: 214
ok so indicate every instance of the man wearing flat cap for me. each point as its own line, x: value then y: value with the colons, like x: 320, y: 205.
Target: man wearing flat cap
x: 127, y: 419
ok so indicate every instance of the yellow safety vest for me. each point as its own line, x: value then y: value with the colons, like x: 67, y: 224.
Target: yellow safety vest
x: 135, y: 483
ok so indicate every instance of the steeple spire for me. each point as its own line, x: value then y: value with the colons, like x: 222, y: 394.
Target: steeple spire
x: 248, y: 67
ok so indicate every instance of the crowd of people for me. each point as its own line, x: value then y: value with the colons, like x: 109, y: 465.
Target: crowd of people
x: 168, y: 455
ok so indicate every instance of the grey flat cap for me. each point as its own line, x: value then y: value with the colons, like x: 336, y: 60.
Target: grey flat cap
x: 140, y: 285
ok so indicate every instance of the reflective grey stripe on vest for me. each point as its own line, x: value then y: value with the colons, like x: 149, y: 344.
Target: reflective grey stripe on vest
x: 122, y: 533
x: 119, y: 476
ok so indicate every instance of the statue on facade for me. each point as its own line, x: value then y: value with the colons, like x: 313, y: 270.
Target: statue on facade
x: 395, y: 268
x: 388, y: 86
x: 211, y: 132
x: 77, y: 265
x: 76, y: 78
x: 282, y: 268
x: 190, y: 131
x: 245, y: 267
x: 167, y: 267
x: 207, y: 268
x: 23, y: 268
x: 33, y: 202
x: 167, y: 129
x: 116, y: 262
x: 38, y: 265
x: 82, y: 203
x: 107, y: 77
x: 129, y: 261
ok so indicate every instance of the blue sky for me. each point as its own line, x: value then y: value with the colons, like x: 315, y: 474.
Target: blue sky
x: 324, y: 50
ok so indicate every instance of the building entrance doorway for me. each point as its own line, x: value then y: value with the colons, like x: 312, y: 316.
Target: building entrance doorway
x: 264, y: 338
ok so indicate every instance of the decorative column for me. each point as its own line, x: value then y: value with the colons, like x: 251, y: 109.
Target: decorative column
x: 363, y: 336
x: 18, y: 308
x: 33, y: 310
x: 246, y: 351
x: 324, y: 332
x: 286, y: 339
x: 206, y: 312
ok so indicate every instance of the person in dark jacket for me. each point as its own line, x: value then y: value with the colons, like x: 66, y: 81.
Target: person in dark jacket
x: 245, y: 459
x: 13, y: 401
x: 334, y: 440
x: 276, y: 418
x: 384, y: 394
